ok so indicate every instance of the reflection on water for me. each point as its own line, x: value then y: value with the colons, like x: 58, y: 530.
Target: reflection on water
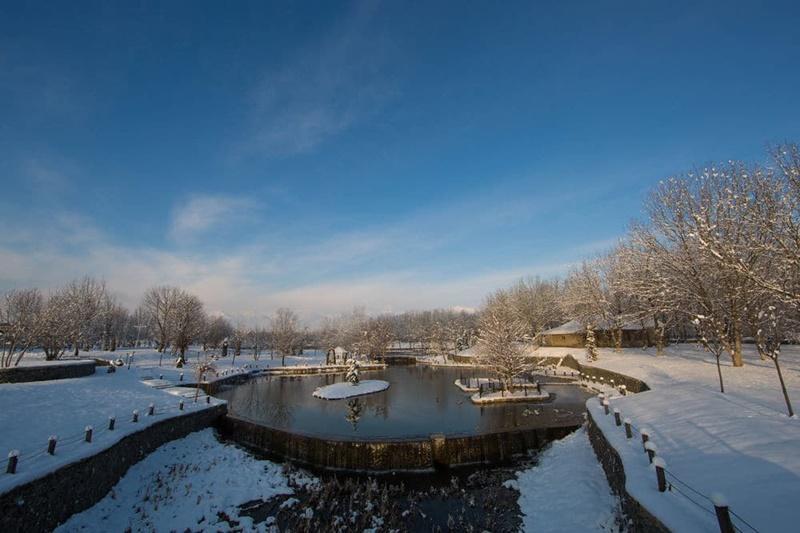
x: 354, y: 409
x: 420, y: 401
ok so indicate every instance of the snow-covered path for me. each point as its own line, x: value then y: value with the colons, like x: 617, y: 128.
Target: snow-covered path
x: 187, y: 484
x: 567, y: 490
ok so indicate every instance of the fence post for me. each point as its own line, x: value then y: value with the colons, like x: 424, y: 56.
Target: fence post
x: 180, y: 405
x: 111, y: 422
x: 605, y: 406
x: 723, y: 513
x: 628, y: 432
x: 151, y: 409
x: 135, y: 415
x: 208, y: 399
x: 180, y: 378
x: 660, y: 465
x: 651, y: 449
x: 623, y: 389
x: 51, y: 445
x: 616, y: 417
x: 645, y: 437
x: 87, y: 436
x: 13, y: 459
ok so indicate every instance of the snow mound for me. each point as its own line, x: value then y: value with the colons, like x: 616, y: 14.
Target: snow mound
x: 339, y: 391
x: 567, y: 490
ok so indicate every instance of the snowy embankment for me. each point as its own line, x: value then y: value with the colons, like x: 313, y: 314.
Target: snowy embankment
x: 32, y: 412
x: 150, y: 362
x: 196, y: 483
x: 475, y: 384
x: 566, y: 490
x: 340, y: 391
x: 740, y: 444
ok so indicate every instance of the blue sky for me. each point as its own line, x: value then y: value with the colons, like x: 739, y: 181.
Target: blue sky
x: 390, y: 155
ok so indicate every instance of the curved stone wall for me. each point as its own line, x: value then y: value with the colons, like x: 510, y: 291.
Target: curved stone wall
x: 47, y: 372
x: 640, y: 519
x: 48, y: 501
x: 412, y: 454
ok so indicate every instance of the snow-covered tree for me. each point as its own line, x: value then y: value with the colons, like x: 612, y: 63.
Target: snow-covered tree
x: 84, y: 301
x: 352, y: 375
x: 21, y: 321
x: 590, y: 344
x: 501, y: 334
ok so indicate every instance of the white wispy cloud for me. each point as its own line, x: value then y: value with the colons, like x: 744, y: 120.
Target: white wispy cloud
x: 322, y: 91
x: 201, y: 213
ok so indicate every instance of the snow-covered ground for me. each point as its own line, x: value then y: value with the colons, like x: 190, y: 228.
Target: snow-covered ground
x: 196, y: 483
x: 567, y: 490
x: 741, y: 444
x: 755, y: 382
x: 339, y: 391
x: 32, y: 412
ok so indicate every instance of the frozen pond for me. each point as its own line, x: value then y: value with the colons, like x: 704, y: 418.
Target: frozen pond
x: 421, y: 400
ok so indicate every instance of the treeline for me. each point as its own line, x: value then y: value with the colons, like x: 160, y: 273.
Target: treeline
x: 716, y: 254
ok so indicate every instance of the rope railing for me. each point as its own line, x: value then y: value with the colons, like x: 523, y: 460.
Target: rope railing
x: 718, y: 507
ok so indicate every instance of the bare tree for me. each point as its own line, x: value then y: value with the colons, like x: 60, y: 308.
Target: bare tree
x: 160, y: 304
x: 285, y: 332
x: 20, y: 323
x: 84, y: 302
x: 188, y: 322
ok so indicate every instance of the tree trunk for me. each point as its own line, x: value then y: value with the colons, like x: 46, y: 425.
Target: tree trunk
x: 736, y: 352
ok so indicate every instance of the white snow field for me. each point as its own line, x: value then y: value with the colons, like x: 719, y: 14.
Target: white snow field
x: 340, y: 391
x: 193, y: 484
x: 32, y: 412
x: 567, y: 490
x: 741, y: 444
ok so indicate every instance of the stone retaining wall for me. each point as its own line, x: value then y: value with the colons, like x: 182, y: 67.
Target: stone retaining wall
x: 640, y: 519
x: 48, y: 501
x: 401, y: 454
x: 46, y: 372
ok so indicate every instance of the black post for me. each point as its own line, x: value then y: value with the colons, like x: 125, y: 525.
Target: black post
x: 723, y: 514
x: 13, y: 459
x: 111, y: 422
x: 645, y: 437
x: 660, y: 465
x: 87, y: 436
x: 628, y: 432
x: 135, y: 415
x: 51, y: 445
x: 151, y: 409
x: 180, y: 405
x: 617, y: 419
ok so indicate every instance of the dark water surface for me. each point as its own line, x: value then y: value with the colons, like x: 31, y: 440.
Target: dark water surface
x: 421, y: 400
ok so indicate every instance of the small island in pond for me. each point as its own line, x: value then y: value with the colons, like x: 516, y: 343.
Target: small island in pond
x: 340, y: 391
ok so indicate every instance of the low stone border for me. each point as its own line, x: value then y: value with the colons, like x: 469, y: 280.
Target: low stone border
x: 47, y: 372
x: 388, y: 455
x: 640, y: 519
x: 48, y: 501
